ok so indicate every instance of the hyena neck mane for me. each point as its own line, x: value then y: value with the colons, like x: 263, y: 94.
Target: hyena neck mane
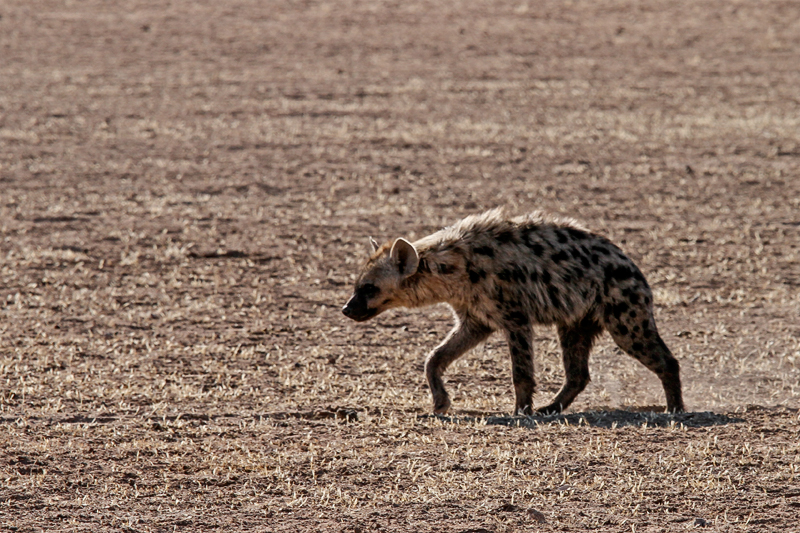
x: 439, y: 261
x: 425, y: 287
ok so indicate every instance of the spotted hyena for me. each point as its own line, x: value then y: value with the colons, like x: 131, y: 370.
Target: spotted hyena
x: 506, y: 274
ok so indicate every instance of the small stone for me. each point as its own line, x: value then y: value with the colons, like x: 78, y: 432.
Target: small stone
x: 537, y: 515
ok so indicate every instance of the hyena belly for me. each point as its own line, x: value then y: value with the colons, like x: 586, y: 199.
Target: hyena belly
x: 507, y: 275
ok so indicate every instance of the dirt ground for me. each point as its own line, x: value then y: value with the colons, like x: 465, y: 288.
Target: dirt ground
x: 186, y: 192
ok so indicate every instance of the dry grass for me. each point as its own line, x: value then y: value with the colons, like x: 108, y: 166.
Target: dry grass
x: 302, y: 470
x: 185, y: 195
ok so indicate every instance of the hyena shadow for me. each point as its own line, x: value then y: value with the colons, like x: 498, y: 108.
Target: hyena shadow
x: 603, y: 419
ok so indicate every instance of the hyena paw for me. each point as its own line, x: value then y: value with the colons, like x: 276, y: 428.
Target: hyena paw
x: 441, y: 406
x: 552, y: 409
x: 525, y: 410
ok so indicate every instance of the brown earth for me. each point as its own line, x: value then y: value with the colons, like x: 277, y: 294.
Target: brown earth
x: 186, y: 190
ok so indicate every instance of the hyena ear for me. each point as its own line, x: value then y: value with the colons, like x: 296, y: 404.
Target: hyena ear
x: 373, y: 245
x: 405, y: 257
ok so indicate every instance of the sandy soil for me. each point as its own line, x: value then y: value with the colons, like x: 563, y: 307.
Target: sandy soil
x: 186, y: 192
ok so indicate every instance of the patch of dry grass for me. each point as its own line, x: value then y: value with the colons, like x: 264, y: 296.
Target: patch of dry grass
x: 386, y: 470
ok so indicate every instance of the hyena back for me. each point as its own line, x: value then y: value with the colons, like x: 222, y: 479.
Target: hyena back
x: 507, y: 274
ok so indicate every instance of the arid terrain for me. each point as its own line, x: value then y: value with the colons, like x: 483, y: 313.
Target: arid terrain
x: 186, y: 193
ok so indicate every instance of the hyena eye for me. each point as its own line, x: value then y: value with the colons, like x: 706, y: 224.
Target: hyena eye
x: 368, y: 290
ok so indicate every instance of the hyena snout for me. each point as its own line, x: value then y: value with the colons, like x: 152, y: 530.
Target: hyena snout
x: 361, y: 305
x: 357, y: 309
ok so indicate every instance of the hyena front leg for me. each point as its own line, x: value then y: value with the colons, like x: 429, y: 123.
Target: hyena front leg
x: 519, y: 337
x: 467, y: 334
x: 576, y: 344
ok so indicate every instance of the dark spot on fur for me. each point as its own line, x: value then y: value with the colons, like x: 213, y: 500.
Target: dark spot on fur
x: 632, y: 314
x: 485, y: 250
x: 423, y: 266
x: 546, y: 277
x: 562, y: 236
x: 517, y: 317
x: 566, y: 279
x: 617, y: 273
x: 530, y: 240
x: 552, y: 292
x: 646, y: 300
x: 446, y: 269
x: 595, y: 259
x: 537, y: 249
x: 585, y: 262
x: 476, y: 275
x: 634, y: 298
x: 620, y: 308
x: 622, y: 329
x: 636, y: 329
x: 506, y: 237
x: 504, y: 275
x: 560, y: 256
x: 534, y: 276
x: 637, y: 346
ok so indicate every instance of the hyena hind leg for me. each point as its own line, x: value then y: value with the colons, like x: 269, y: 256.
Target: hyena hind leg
x: 465, y: 336
x: 576, y: 344
x: 647, y: 346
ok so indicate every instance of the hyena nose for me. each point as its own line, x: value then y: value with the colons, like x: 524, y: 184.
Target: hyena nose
x: 347, y: 311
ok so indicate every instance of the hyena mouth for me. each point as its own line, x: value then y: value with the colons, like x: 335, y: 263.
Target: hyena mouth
x: 359, y: 315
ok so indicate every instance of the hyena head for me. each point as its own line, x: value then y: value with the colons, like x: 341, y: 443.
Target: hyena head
x: 379, y: 285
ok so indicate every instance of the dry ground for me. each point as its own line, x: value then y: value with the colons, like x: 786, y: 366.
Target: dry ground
x: 186, y: 189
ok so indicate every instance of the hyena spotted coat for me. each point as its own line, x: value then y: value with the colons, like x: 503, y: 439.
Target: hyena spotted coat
x: 507, y: 274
